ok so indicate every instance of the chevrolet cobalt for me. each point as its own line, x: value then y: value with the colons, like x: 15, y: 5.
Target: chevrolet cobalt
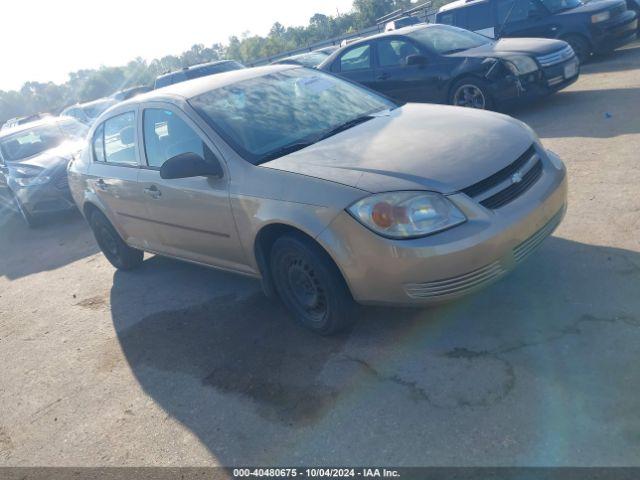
x: 330, y: 194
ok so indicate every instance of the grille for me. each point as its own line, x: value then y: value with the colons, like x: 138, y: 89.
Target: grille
x: 527, y: 247
x: 461, y: 284
x: 501, y: 187
x: 515, y: 190
x: 500, y: 176
x: 556, y: 57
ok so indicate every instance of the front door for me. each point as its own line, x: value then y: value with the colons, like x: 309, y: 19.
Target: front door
x: 406, y: 83
x: 192, y: 215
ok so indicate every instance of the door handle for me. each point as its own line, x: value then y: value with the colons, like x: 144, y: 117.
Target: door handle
x: 101, y: 184
x: 383, y: 76
x: 153, y: 191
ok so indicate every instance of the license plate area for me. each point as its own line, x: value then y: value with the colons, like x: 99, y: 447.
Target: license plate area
x: 571, y: 69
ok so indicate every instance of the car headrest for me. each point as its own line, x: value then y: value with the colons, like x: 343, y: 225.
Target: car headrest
x: 127, y: 135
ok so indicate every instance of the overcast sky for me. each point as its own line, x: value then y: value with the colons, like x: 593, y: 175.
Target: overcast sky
x: 44, y: 40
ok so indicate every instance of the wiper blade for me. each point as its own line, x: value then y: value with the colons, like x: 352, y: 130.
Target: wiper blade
x: 455, y: 50
x: 345, y: 126
x: 285, y: 150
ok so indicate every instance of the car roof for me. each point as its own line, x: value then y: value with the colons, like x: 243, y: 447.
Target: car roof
x: 193, y: 67
x: 399, y: 31
x: 459, y: 4
x: 36, y: 123
x: 197, y: 86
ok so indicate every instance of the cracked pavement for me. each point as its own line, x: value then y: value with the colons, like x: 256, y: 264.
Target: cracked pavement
x: 177, y: 365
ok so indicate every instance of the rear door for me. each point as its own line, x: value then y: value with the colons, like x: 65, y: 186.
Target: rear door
x: 407, y: 83
x: 356, y: 64
x: 113, y: 176
x: 192, y: 215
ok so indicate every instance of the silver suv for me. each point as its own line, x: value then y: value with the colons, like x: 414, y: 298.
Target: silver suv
x: 330, y: 194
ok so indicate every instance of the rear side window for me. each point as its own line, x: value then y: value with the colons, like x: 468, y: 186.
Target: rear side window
x: 520, y: 10
x: 478, y: 17
x: 119, y: 139
x: 448, y: 18
x: 357, y: 58
x: 167, y: 135
x: 98, y: 144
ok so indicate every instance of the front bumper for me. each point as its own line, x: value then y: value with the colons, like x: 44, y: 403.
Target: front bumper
x: 533, y: 86
x: 610, y: 35
x: 51, y: 197
x: 453, y: 263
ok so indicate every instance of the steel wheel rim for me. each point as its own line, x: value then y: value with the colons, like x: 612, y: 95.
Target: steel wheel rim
x: 305, y: 289
x: 469, y: 96
x: 107, y: 241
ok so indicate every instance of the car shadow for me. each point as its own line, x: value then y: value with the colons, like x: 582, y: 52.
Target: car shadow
x: 627, y: 58
x: 58, y: 240
x: 228, y: 363
x: 584, y: 113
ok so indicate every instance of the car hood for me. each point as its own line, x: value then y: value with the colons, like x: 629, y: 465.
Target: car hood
x: 417, y: 146
x: 595, y: 6
x: 54, y: 157
x: 509, y: 46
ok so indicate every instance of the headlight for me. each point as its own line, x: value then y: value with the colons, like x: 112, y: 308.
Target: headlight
x: 521, y: 64
x: 29, y: 176
x: 406, y: 214
x: 600, y: 17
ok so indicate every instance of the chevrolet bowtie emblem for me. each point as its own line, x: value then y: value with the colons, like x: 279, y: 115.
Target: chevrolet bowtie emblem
x: 516, y: 177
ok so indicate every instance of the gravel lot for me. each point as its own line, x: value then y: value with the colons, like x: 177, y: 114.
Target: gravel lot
x: 179, y: 365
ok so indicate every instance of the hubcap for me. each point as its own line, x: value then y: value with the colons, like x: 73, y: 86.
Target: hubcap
x: 306, y: 290
x: 469, y: 96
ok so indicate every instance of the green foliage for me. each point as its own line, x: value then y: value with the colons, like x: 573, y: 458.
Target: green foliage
x: 87, y: 85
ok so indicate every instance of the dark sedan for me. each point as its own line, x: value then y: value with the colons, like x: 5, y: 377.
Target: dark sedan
x: 444, y: 64
x: 33, y: 166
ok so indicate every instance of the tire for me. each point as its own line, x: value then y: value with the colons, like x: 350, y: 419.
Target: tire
x: 29, y: 219
x: 471, y: 93
x: 311, y: 286
x: 580, y: 46
x: 119, y: 254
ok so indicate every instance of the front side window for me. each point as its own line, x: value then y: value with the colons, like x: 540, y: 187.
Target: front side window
x: 447, y: 18
x: 261, y: 116
x: 358, y: 58
x: 517, y: 10
x: 394, y: 52
x: 444, y: 39
x: 167, y: 135
x: 119, y: 139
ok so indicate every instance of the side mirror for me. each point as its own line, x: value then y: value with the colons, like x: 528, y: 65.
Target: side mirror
x: 415, y: 59
x: 187, y: 165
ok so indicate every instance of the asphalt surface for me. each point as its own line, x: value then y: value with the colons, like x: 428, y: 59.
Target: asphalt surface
x: 179, y: 365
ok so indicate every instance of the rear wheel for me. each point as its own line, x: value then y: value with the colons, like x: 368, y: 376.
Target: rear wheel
x: 580, y: 46
x: 471, y: 93
x: 119, y: 254
x: 311, y: 286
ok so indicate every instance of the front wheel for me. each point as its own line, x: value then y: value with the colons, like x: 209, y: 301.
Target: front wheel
x: 471, y: 93
x: 119, y: 254
x: 580, y: 47
x: 311, y: 286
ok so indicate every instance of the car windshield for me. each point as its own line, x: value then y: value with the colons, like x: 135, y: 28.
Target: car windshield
x: 262, y: 116
x: 444, y: 39
x: 560, y: 5
x: 34, y: 141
